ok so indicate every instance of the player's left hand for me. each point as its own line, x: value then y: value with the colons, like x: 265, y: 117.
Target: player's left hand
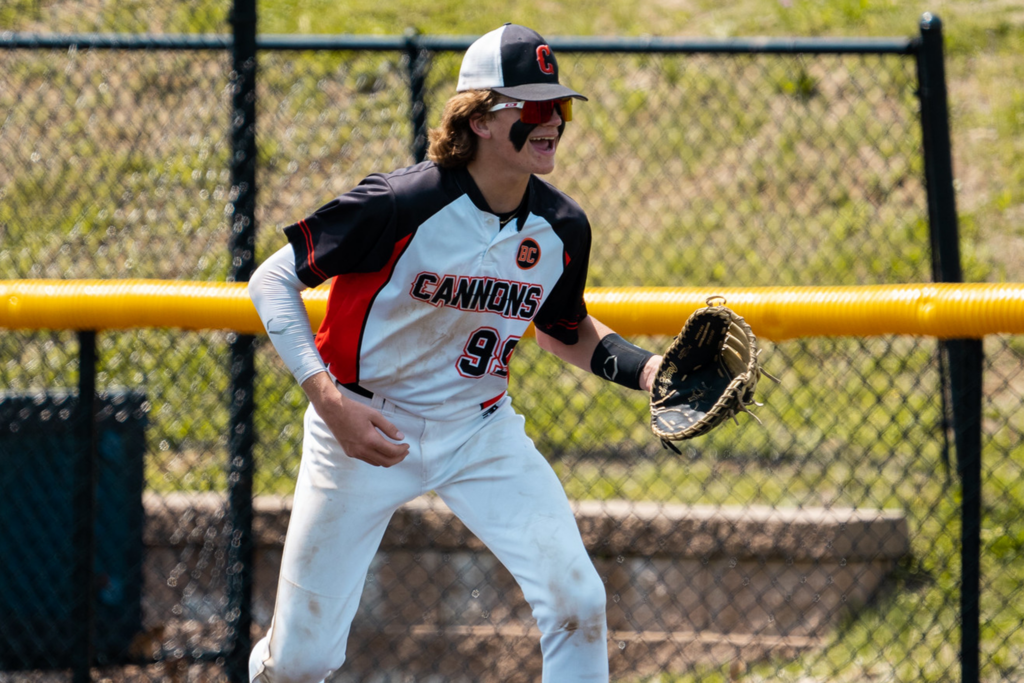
x: 649, y: 372
x: 708, y: 374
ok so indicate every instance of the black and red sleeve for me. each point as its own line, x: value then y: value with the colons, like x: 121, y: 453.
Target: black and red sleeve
x: 565, y: 309
x: 354, y: 233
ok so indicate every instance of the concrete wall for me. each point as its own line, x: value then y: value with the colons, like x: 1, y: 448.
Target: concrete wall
x: 686, y: 584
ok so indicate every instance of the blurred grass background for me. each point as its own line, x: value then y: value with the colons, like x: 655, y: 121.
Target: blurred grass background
x: 985, y: 62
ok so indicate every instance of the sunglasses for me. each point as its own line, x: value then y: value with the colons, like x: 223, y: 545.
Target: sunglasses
x: 539, y: 112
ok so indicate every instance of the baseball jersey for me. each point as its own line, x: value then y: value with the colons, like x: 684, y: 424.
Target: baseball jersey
x: 430, y: 294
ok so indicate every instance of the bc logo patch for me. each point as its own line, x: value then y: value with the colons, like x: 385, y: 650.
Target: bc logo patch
x: 528, y: 254
x: 545, y: 60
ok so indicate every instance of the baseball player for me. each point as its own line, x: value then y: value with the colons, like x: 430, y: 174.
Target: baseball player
x: 438, y: 270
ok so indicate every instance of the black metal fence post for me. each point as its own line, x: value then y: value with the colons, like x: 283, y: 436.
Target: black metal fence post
x: 417, y: 60
x: 243, y: 368
x: 85, y: 509
x: 964, y: 355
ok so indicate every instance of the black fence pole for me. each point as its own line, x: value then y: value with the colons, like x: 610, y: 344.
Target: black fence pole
x: 966, y: 367
x: 85, y: 509
x: 241, y: 438
x: 965, y: 356
x: 417, y: 61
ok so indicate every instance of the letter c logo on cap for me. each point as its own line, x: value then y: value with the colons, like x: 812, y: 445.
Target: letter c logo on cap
x: 544, y: 60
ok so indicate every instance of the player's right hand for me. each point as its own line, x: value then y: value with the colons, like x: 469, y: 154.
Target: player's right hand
x: 355, y: 425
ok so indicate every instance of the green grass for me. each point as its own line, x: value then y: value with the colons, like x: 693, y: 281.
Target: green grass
x: 694, y: 170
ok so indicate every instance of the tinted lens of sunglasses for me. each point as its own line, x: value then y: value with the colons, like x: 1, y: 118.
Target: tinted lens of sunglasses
x: 540, y: 112
x: 565, y: 108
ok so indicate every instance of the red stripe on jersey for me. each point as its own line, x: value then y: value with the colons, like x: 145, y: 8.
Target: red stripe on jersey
x: 348, y: 306
x: 310, y: 251
x: 491, y: 401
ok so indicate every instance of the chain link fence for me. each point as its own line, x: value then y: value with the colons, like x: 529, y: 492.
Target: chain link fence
x: 821, y: 545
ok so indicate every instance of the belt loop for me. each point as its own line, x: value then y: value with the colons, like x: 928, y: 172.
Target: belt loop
x: 378, y: 402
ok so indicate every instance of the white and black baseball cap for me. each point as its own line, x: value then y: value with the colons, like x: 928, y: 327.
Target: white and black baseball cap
x: 514, y: 61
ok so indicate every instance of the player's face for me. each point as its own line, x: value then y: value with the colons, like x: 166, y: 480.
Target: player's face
x: 529, y: 148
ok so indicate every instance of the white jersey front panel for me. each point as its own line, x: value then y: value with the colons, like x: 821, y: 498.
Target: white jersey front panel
x: 439, y: 333
x: 430, y: 294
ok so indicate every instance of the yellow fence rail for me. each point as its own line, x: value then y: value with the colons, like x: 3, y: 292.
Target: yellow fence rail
x: 775, y: 313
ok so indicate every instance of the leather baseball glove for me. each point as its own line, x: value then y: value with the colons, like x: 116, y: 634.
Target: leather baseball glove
x: 707, y: 375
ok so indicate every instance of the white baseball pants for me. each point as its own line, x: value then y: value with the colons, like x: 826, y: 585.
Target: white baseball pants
x: 488, y: 471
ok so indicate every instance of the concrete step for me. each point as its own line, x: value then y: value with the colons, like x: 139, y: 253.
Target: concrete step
x: 686, y: 584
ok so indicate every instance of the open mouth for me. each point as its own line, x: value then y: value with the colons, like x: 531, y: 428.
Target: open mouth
x: 545, y: 144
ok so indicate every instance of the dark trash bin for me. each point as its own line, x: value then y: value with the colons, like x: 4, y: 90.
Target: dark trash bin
x: 40, y: 443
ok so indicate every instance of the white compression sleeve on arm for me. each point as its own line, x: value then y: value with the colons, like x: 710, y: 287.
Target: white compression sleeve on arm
x: 275, y: 291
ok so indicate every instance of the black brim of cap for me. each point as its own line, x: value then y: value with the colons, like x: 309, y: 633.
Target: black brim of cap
x: 538, y: 92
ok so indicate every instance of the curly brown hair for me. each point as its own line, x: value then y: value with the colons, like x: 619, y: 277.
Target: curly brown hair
x: 453, y: 143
